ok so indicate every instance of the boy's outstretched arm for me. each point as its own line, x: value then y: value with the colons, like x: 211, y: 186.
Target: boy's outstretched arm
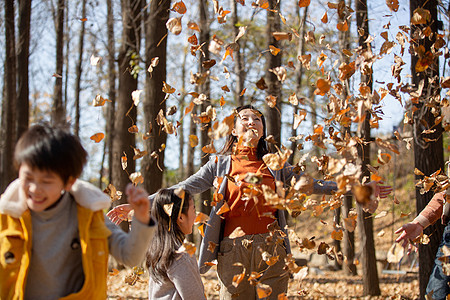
x: 130, y: 248
x: 138, y: 200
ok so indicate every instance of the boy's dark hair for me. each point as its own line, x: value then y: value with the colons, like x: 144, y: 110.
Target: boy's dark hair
x: 169, y: 236
x: 53, y: 149
x: 261, y: 148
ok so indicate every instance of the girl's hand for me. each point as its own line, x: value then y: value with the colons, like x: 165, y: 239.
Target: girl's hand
x: 409, y: 232
x: 119, y: 213
x: 138, y: 200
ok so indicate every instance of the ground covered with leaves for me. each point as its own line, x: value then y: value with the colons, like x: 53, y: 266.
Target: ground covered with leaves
x: 325, y: 286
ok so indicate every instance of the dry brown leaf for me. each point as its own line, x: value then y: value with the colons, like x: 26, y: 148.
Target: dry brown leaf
x: 174, y: 25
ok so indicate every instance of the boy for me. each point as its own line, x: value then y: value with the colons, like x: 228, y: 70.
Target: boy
x: 54, y: 239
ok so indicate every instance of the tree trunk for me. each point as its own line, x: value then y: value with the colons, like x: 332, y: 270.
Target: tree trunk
x: 205, y: 89
x: 58, y: 113
x: 79, y: 69
x: 10, y: 96
x: 299, y: 76
x: 23, y: 52
x: 348, y: 247
x: 111, y: 85
x: 155, y: 46
x: 181, y: 136
x: 123, y: 141
x: 273, y: 115
x: 371, y: 284
x: 239, y: 68
x: 428, y: 155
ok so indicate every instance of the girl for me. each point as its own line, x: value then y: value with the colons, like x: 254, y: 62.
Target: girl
x: 257, y: 254
x: 173, y: 275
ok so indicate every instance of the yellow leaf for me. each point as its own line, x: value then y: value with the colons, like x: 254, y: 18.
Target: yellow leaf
x: 274, y: 50
x: 193, y: 140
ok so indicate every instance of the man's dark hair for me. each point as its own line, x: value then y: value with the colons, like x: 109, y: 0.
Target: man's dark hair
x: 52, y: 149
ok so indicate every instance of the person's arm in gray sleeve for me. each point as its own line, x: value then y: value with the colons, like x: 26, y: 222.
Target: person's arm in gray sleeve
x: 318, y: 186
x: 199, y: 182
x: 130, y: 248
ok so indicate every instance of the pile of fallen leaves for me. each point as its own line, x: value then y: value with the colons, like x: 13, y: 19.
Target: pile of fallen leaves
x: 327, y: 285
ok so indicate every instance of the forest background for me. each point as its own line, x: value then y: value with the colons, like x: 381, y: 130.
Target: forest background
x: 352, y: 91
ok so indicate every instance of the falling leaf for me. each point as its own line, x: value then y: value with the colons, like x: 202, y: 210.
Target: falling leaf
x: 193, y: 39
x: 241, y: 33
x: 237, y: 279
x: 382, y: 214
x: 98, y: 137
x: 324, y: 18
x: 395, y: 253
x: 114, y: 272
x: 138, y: 153
x: 350, y: 221
x: 342, y: 26
x: 337, y: 235
x: 418, y: 172
x: 282, y: 36
x: 167, y: 88
x: 321, y: 59
x: 123, y: 160
x: 193, y: 26
x: 135, y: 95
x: 322, y: 87
x: 381, y: 233
x: 174, y: 25
x: 420, y: 16
x: 187, y: 247
x: 271, y: 101
x: 305, y: 60
x: 95, y: 60
x: 179, y: 7
x: 133, y: 129
x: 193, y: 140
x: 237, y: 232
x: 263, y: 290
x: 113, y: 193
x: 362, y: 193
x: 261, y: 84
x: 168, y: 208
x: 201, y: 218
x: 293, y: 99
x: 276, y: 161
x: 274, y: 50
x: 383, y: 158
x: 210, y: 149
x: 392, y: 4
x: 298, y: 119
x: 387, y: 145
x: 136, y: 178
x: 99, y: 101
x: 154, y: 62
x: 223, y: 209
x: 280, y: 72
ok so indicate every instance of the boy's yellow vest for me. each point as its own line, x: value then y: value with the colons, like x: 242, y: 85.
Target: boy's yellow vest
x: 15, y: 253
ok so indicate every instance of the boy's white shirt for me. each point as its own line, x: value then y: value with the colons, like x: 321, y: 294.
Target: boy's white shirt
x: 13, y: 200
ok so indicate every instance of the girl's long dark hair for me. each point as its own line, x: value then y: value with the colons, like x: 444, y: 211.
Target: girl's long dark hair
x: 168, y: 237
x: 261, y: 148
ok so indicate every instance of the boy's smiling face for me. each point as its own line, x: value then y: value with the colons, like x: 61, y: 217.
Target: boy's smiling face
x: 42, y: 188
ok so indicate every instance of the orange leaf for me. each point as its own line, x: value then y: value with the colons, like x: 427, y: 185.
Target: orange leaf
x: 342, y: 26
x: 193, y: 39
x: 274, y: 50
x: 323, y: 86
x: 193, y: 26
x: 133, y: 129
x: 98, y: 137
x: 324, y: 18
x: 392, y: 4
x: 167, y: 88
x: 179, y: 7
x: 337, y: 235
x: 201, y: 230
x: 223, y: 209
x: 189, y: 108
x: 193, y: 140
x: 263, y: 290
x: 304, y: 3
